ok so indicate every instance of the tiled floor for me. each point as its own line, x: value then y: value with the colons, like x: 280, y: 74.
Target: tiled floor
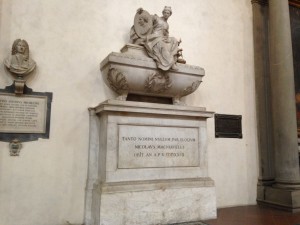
x: 254, y: 215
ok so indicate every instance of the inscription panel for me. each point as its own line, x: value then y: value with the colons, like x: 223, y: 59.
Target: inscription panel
x: 152, y: 147
x: 25, y: 114
x: 228, y: 126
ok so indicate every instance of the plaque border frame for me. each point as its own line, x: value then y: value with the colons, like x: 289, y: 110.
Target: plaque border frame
x: 197, y: 163
x: 25, y: 137
x: 223, y: 134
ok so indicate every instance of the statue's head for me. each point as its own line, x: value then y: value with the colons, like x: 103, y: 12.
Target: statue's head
x: 21, y: 47
x: 167, y: 12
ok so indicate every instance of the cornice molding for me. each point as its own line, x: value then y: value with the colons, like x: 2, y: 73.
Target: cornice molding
x: 260, y: 2
x: 295, y: 3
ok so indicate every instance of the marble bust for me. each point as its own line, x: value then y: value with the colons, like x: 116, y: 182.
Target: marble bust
x: 19, y: 62
x: 152, y: 32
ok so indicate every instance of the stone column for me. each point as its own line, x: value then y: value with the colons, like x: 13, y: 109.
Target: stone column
x: 262, y: 91
x: 276, y: 108
x: 283, y: 95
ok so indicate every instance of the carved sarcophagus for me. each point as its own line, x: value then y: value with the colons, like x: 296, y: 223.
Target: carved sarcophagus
x: 133, y: 72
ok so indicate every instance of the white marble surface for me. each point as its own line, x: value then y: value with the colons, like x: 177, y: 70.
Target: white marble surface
x: 145, y: 146
x: 115, y: 114
x: 137, y: 70
x: 161, y: 206
x: 141, y: 107
x: 139, y: 189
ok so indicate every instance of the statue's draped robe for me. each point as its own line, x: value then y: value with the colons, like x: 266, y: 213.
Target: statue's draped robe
x: 162, y: 48
x: 19, y: 64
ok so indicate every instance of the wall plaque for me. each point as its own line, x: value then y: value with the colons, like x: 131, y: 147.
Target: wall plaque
x: 25, y: 114
x: 228, y: 126
x: 24, y: 117
x: 152, y: 146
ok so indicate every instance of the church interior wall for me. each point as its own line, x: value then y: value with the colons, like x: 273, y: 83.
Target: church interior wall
x: 46, y: 184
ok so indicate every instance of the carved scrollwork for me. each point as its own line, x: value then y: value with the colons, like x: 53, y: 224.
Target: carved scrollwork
x: 191, y: 89
x: 117, y: 81
x: 158, y: 83
x: 188, y: 90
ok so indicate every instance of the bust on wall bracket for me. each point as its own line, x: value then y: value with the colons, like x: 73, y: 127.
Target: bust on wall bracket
x: 152, y: 64
x: 19, y: 64
x: 24, y: 114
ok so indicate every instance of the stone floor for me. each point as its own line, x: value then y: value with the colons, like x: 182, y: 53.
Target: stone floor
x: 190, y: 223
x: 254, y: 215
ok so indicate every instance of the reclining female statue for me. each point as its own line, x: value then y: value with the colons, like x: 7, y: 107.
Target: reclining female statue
x: 152, y: 32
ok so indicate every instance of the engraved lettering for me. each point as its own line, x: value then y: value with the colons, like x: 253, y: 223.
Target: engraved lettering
x: 150, y: 146
x: 22, y: 115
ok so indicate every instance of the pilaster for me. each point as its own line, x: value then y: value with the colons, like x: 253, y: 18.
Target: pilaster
x: 283, y: 95
x: 262, y: 91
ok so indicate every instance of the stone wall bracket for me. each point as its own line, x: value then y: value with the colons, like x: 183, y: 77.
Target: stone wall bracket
x: 19, y: 86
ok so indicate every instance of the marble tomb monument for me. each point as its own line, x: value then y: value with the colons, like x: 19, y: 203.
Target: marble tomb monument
x: 147, y: 160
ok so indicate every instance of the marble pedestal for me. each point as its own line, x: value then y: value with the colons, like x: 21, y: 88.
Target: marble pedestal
x: 148, y: 165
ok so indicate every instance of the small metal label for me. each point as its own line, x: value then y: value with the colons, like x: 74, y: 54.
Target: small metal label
x: 228, y: 126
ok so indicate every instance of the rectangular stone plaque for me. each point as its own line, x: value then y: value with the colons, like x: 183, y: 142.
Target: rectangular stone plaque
x: 23, y: 114
x: 153, y: 146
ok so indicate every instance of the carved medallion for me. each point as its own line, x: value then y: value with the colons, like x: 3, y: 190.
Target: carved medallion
x: 143, y: 23
x: 191, y: 89
x: 158, y: 83
x: 117, y: 81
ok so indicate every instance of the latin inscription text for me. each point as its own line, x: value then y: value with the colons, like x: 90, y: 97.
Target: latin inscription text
x: 22, y: 114
x: 157, y: 146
